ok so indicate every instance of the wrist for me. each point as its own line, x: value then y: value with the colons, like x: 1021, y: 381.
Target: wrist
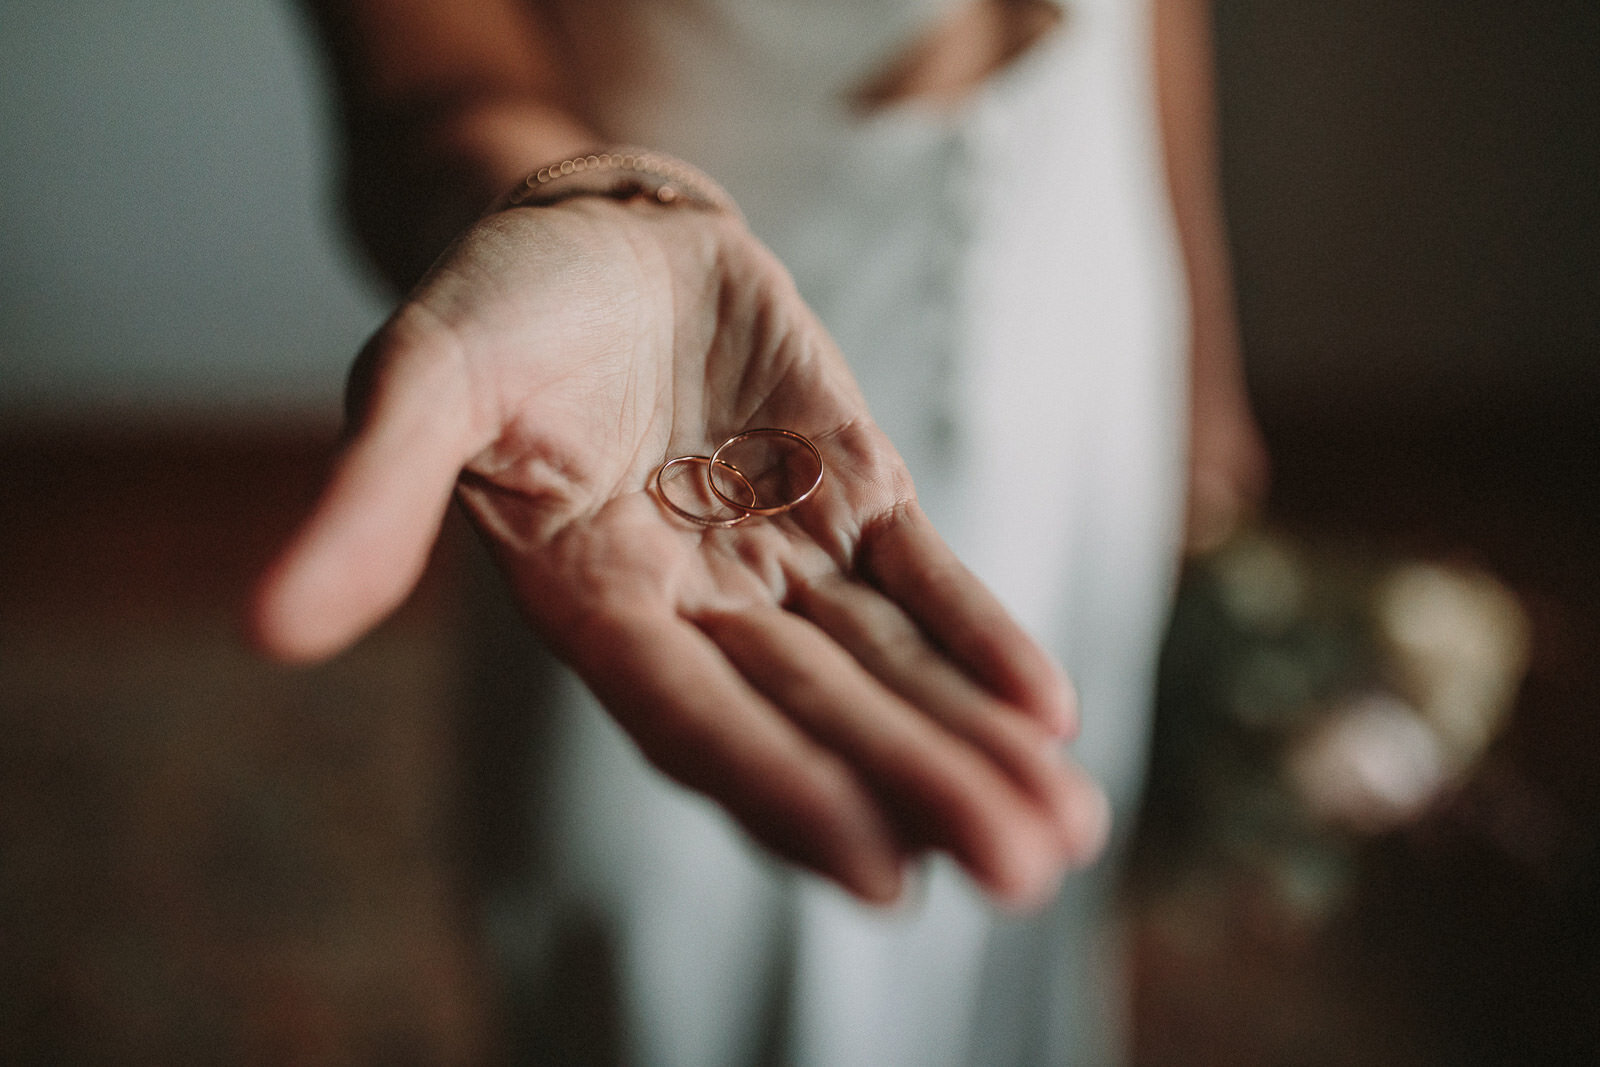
x: 418, y: 175
x: 499, y: 142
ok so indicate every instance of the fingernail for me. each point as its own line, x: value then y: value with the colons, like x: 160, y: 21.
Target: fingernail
x: 1091, y: 829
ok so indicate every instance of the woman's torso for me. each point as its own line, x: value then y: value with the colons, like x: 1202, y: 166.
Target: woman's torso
x: 1002, y: 276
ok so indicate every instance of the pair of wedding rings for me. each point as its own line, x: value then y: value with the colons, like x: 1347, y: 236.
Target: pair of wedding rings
x: 719, y: 467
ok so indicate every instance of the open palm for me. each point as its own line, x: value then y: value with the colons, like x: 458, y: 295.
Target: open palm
x: 832, y: 676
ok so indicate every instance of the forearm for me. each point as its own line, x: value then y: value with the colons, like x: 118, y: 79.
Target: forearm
x: 443, y: 106
x: 1227, y: 460
x: 1186, y: 89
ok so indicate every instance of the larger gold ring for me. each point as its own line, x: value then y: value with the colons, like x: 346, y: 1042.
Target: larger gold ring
x: 703, y: 520
x: 716, y: 461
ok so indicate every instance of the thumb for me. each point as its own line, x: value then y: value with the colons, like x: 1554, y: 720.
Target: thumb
x: 365, y: 545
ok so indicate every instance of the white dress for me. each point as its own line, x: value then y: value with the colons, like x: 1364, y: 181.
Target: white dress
x: 1006, y: 284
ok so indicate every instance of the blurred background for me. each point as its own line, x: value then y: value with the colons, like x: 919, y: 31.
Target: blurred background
x: 1374, y: 816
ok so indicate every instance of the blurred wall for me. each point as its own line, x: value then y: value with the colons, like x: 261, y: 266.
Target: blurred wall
x: 165, y: 243
x: 1412, y: 186
x: 1414, y: 191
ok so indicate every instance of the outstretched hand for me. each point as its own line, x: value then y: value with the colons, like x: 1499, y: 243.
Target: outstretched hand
x: 833, y: 677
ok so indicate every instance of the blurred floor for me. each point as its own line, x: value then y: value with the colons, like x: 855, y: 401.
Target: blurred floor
x: 207, y: 858
x: 204, y: 858
x: 1471, y: 935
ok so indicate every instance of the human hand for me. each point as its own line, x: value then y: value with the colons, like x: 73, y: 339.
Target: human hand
x: 833, y: 677
x: 1229, y: 466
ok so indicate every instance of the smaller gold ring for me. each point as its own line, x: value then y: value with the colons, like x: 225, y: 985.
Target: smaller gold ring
x: 716, y: 460
x: 701, y: 520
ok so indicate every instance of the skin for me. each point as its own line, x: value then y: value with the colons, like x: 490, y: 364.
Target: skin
x: 833, y: 677
x: 1228, y: 465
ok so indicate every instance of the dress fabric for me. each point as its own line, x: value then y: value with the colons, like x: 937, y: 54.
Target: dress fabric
x: 1004, y: 280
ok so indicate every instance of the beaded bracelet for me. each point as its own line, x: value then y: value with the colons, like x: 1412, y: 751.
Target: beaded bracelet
x: 622, y: 174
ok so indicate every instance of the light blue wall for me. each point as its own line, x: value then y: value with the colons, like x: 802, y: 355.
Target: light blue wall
x: 167, y: 243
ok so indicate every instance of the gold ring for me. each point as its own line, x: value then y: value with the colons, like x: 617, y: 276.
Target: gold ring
x: 701, y: 520
x: 716, y: 461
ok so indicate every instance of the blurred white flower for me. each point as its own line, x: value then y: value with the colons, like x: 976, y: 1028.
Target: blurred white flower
x: 1371, y: 765
x: 1457, y: 645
